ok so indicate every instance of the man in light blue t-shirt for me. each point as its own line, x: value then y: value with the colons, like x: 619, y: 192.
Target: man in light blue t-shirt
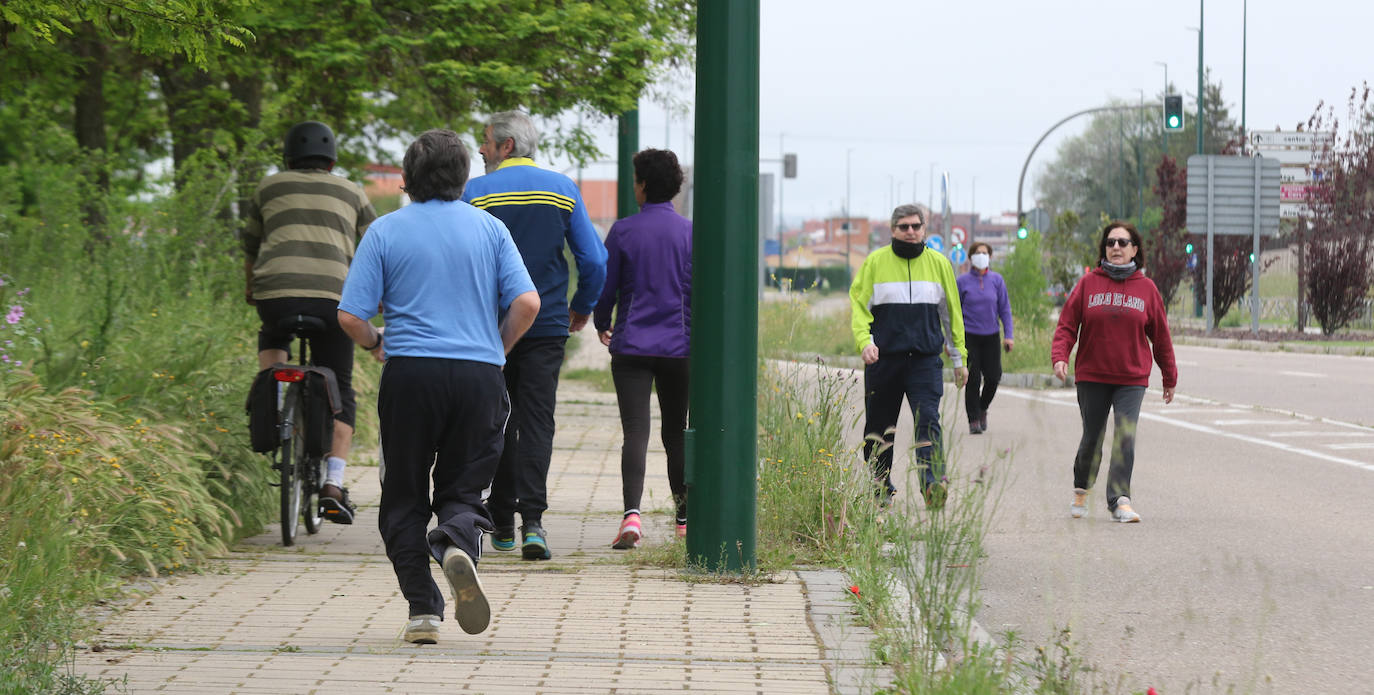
x: 457, y: 297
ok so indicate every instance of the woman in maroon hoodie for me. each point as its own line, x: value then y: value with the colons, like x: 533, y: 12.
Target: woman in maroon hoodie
x: 1118, y: 319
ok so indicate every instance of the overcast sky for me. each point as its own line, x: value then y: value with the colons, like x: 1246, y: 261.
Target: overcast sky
x: 968, y: 86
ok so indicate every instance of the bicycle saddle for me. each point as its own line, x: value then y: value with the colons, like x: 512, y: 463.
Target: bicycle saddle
x: 302, y: 325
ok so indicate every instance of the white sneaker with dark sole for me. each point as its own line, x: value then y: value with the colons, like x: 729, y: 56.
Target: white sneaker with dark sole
x: 470, y: 606
x: 423, y: 629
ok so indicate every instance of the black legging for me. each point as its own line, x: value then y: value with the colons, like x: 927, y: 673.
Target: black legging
x: 984, y: 372
x: 634, y: 377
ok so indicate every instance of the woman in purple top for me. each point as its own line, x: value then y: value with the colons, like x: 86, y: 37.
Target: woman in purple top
x: 649, y: 285
x: 983, y: 295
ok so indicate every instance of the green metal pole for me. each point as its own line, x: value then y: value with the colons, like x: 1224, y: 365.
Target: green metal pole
x: 722, y: 437
x: 1201, y: 95
x: 625, y: 204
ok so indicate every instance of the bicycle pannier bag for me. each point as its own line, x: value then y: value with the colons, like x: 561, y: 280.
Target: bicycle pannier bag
x: 320, y: 408
x: 262, y: 412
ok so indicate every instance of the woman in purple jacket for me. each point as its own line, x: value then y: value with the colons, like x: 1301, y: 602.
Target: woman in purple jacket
x: 649, y: 284
x: 983, y: 295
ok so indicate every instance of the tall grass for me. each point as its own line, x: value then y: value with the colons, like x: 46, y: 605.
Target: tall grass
x: 915, y: 571
x: 123, y: 446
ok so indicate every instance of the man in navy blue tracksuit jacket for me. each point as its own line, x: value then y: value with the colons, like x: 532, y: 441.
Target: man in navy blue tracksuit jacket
x: 543, y: 210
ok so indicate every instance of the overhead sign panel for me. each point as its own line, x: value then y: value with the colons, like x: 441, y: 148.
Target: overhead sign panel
x: 1223, y: 190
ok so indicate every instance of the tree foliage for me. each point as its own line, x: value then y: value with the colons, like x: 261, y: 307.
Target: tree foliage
x: 128, y: 83
x: 1168, y: 259
x: 1067, y: 252
x: 1101, y: 171
x: 1340, y: 239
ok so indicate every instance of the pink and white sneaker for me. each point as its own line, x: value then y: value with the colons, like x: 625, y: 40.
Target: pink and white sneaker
x: 630, y: 533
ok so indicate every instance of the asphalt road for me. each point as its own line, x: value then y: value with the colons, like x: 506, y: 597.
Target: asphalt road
x: 1253, y: 567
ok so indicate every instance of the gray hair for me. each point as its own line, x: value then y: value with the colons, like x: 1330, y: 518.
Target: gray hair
x: 907, y: 210
x: 517, y: 126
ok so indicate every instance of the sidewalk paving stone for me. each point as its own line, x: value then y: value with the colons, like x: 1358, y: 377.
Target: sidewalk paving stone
x: 326, y: 615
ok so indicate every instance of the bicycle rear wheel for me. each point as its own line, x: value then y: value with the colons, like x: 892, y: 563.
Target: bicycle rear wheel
x: 293, y: 459
x: 311, y: 480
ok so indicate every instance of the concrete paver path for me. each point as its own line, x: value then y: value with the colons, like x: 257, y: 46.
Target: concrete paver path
x: 326, y: 616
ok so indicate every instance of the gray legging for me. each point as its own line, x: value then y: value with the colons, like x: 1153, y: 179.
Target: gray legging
x: 1094, y: 401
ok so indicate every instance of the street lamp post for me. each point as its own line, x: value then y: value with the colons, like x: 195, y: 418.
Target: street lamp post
x: 848, y: 269
x: 1163, y: 133
x: 782, y: 225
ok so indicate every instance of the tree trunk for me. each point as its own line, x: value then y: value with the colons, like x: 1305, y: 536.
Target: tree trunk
x: 247, y: 90
x: 89, y: 125
x: 181, y: 88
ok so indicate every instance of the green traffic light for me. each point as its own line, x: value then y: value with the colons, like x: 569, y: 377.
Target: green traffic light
x: 1021, y: 233
x: 1173, y: 121
x: 1188, y: 248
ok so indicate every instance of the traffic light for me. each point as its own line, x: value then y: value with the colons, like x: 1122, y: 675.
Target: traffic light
x: 1173, y: 112
x: 1021, y: 233
x: 1188, y: 248
x: 789, y: 166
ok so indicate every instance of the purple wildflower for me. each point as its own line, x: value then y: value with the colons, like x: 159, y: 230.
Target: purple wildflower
x: 16, y: 313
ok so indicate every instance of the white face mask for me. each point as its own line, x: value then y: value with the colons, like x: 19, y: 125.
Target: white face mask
x: 979, y: 260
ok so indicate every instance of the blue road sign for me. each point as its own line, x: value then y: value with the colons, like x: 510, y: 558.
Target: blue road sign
x: 936, y: 243
x: 957, y: 255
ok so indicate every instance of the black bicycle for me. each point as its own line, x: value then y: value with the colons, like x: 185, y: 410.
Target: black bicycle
x: 306, y: 409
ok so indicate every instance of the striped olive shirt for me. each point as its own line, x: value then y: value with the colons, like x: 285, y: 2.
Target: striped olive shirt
x: 303, y: 226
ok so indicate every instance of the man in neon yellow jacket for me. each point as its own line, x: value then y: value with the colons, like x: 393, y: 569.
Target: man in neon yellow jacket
x: 905, y: 314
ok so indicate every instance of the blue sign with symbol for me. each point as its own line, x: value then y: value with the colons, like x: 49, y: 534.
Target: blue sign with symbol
x: 936, y: 243
x: 957, y: 255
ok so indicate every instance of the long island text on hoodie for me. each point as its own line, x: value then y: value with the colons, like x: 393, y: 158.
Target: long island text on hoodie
x: 1115, y: 323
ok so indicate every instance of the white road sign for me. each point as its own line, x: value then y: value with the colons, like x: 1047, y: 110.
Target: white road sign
x: 1271, y: 138
x: 1290, y: 211
x: 1288, y: 157
x: 957, y: 235
x: 1296, y: 175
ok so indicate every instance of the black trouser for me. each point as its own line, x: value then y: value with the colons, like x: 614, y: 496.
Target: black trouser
x: 334, y: 349
x: 920, y: 379
x: 521, y: 479
x: 449, y: 415
x: 1094, y: 400
x: 634, y: 377
x: 984, y: 372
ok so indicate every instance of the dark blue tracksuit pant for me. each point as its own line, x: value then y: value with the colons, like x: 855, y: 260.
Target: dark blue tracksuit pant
x: 920, y: 379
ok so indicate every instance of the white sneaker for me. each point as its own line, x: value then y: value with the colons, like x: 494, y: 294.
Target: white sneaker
x: 423, y: 629
x: 1080, y: 503
x: 1123, y: 512
x: 470, y: 605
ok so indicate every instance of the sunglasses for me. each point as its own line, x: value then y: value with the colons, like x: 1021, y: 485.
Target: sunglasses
x: 1122, y: 243
x: 912, y: 227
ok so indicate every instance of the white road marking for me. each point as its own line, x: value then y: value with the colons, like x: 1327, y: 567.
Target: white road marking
x: 1353, y: 445
x: 1190, y: 409
x: 1321, y: 434
x: 1305, y: 375
x: 1184, y: 363
x: 1232, y: 423
x: 1282, y: 446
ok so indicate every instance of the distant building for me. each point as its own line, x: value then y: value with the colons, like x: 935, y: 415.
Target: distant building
x: 381, y: 180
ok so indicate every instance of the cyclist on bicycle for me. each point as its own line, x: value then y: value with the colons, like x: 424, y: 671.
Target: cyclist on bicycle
x: 303, y: 226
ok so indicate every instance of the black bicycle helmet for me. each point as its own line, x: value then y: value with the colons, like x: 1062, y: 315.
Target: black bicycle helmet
x: 309, y: 139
